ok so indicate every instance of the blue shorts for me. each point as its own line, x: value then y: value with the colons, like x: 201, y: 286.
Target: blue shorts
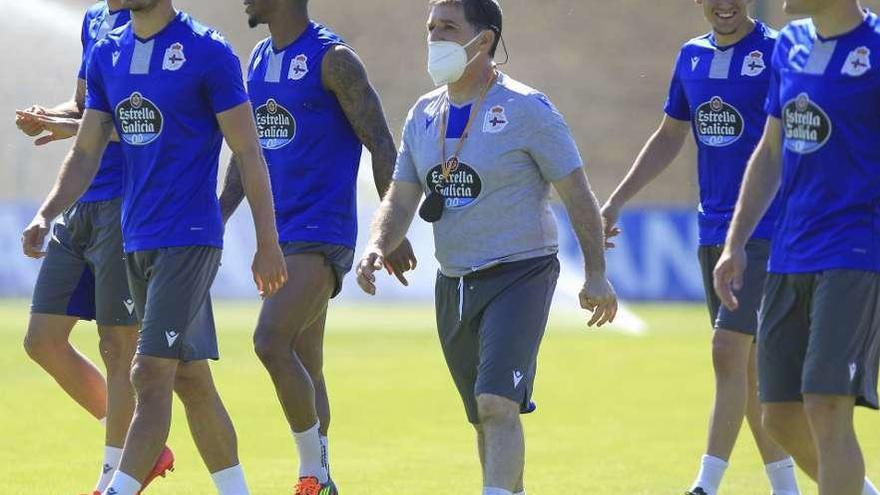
x: 83, y: 273
x: 745, y: 318
x: 171, y: 291
x: 491, y: 324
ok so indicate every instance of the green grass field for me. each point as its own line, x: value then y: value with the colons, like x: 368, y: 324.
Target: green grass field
x: 617, y: 413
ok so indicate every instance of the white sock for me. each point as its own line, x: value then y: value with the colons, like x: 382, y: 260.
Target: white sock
x: 112, y: 456
x: 325, y: 453
x: 308, y: 443
x: 782, y: 478
x: 230, y: 481
x: 495, y: 491
x: 103, y: 421
x: 122, y: 484
x: 711, y: 471
x: 869, y: 488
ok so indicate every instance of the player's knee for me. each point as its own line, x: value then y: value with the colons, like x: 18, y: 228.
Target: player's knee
x: 828, y: 415
x: 35, y: 348
x: 270, y: 348
x: 40, y: 346
x: 729, y: 355
x: 117, y: 348
x: 151, y: 380
x: 496, y: 409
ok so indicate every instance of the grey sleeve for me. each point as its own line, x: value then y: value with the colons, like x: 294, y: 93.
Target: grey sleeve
x: 405, y: 168
x: 552, y: 145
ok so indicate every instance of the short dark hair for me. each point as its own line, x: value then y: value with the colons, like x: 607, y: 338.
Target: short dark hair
x: 481, y: 14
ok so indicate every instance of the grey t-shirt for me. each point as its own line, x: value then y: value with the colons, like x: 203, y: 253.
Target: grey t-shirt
x: 497, y: 201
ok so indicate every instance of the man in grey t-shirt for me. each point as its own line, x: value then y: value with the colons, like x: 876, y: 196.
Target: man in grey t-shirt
x: 487, y: 185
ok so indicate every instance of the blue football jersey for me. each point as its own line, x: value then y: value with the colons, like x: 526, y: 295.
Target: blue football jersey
x: 312, y: 151
x: 721, y: 91
x: 827, y: 94
x: 164, y: 93
x: 99, y: 21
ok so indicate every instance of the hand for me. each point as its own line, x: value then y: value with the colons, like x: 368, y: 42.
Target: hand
x: 610, y: 216
x: 400, y: 261
x: 26, y: 125
x: 270, y: 270
x: 33, y: 237
x: 598, y: 297
x: 372, y: 262
x: 728, y: 276
x: 57, y: 127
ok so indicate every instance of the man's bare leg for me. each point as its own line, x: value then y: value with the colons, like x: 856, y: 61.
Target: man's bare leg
x: 48, y: 344
x: 283, y: 319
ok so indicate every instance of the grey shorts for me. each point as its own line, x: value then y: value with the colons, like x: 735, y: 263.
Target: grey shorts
x: 745, y: 318
x: 171, y: 291
x: 83, y: 273
x: 340, y: 258
x: 491, y: 324
x: 820, y: 334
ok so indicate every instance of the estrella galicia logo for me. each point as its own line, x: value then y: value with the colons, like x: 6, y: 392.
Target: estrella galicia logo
x: 461, y: 188
x: 718, y: 123
x: 139, y: 119
x: 807, y: 127
x: 275, y: 125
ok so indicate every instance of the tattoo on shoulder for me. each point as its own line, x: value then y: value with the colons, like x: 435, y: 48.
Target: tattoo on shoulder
x: 345, y: 68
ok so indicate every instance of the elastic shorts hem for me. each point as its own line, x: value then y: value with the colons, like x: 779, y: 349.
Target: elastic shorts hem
x: 187, y: 359
x: 732, y: 327
x: 43, y: 310
x: 339, y: 258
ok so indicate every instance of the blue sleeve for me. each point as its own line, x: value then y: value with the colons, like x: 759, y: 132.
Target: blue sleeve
x: 224, y: 82
x: 772, y: 106
x: 677, y: 105
x: 84, y: 39
x: 96, y: 93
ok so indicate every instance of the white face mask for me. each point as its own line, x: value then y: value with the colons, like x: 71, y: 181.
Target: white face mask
x: 447, y: 60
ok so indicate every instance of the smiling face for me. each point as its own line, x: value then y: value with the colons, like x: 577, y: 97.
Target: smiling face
x: 727, y: 17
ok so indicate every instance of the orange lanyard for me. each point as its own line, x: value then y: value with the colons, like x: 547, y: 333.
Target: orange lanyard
x: 451, y: 165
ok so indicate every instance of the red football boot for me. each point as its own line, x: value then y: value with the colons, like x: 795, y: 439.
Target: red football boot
x: 163, y: 465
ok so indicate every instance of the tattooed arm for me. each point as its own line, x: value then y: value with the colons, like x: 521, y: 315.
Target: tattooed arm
x: 344, y: 75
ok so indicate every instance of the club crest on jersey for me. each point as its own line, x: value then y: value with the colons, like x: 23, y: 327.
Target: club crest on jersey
x: 807, y: 127
x: 718, y: 123
x: 174, y: 57
x: 462, y: 187
x: 139, y: 120
x: 496, y: 120
x: 858, y: 62
x: 276, y: 126
x: 299, y: 67
x: 753, y: 64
